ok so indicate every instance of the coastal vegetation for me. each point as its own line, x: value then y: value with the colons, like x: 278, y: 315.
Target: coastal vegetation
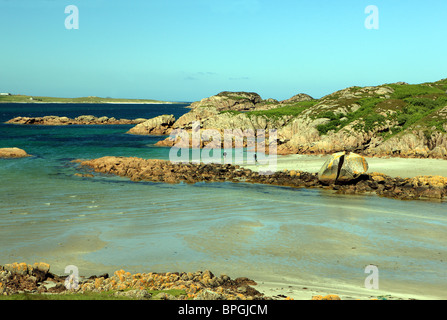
x: 403, y: 104
x: 406, y: 106
x: 292, y: 110
x: 287, y: 110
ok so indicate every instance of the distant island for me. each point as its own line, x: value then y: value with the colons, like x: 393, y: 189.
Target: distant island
x: 18, y: 98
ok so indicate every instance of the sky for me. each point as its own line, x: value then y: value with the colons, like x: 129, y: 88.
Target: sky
x: 186, y: 50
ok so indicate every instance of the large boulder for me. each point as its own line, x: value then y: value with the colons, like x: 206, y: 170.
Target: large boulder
x: 342, y: 167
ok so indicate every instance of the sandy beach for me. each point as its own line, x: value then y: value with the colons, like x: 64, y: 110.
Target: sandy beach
x: 291, y: 288
x: 296, y: 244
x: 394, y: 167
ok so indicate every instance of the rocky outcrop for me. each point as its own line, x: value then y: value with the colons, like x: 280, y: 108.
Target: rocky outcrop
x: 211, y: 118
x: 342, y: 167
x: 245, y: 101
x: 36, y: 279
x: 200, y: 285
x: 295, y: 134
x: 81, y: 120
x: 161, y: 125
x: 302, y: 135
x: 241, y: 101
x: 137, y: 169
x: 414, y: 144
x: 22, y: 277
x: 197, y: 114
x: 372, y: 121
x: 13, y: 153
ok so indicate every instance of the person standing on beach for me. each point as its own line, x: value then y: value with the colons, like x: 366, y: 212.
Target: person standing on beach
x: 256, y: 158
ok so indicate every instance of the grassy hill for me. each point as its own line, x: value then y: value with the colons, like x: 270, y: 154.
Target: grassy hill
x: 408, y: 106
x: 405, y: 106
x: 396, y: 119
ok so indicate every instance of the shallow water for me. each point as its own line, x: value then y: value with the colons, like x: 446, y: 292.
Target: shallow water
x: 105, y: 223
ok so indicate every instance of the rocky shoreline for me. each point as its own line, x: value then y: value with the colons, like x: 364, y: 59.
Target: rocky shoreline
x: 81, y: 120
x: 137, y: 169
x: 19, y: 278
x: 37, y: 280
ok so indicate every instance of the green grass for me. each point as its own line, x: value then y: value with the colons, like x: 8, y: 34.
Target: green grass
x: 366, y: 112
x: 267, y: 103
x: 441, y: 84
x: 335, y: 122
x: 408, y: 105
x: 105, y: 295
x: 438, y: 124
x: 277, y: 112
x: 108, y: 295
x: 330, y: 115
x: 413, y: 90
x: 293, y: 110
x: 370, y: 122
x: 418, y: 111
x: 172, y: 292
x: 287, y: 110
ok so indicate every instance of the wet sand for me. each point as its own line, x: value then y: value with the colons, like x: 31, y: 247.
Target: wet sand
x: 395, y: 167
x: 289, y: 287
x: 296, y: 243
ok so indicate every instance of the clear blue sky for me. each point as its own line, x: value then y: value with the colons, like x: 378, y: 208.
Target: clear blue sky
x: 185, y: 50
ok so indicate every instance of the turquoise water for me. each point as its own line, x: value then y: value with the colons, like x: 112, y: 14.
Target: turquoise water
x: 104, y: 223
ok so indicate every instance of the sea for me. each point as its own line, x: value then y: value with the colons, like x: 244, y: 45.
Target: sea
x: 296, y: 237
